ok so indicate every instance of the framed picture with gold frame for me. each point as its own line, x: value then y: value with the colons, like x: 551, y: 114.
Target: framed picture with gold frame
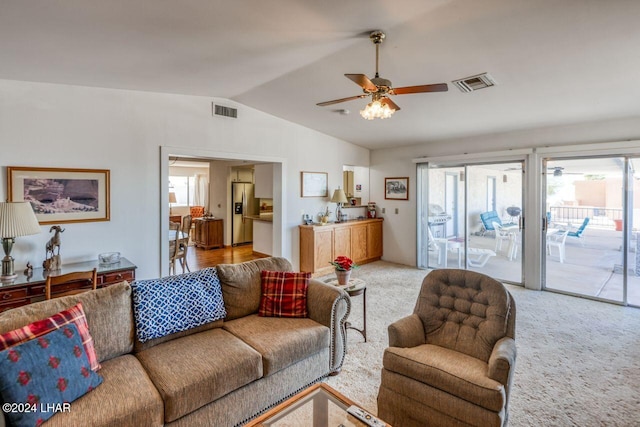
x: 61, y: 195
x: 314, y: 184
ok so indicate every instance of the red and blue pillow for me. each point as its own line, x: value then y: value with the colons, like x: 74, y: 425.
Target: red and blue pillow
x: 284, y: 294
x: 43, y: 373
x: 36, y: 329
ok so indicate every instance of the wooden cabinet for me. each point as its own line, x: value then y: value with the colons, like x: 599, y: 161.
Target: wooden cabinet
x: 319, y: 245
x: 264, y: 181
x: 28, y: 289
x: 208, y: 233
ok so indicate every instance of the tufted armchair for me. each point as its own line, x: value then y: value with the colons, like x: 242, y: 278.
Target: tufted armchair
x: 451, y: 362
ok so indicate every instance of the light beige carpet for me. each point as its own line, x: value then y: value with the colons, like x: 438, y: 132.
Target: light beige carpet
x: 578, y: 360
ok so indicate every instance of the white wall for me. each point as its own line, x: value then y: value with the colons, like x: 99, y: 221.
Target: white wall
x: 50, y: 125
x: 400, y: 229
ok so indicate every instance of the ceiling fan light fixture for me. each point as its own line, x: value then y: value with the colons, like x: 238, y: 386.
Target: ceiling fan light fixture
x: 377, y: 110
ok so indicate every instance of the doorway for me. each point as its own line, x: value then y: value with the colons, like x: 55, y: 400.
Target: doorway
x: 452, y: 202
x: 590, y: 236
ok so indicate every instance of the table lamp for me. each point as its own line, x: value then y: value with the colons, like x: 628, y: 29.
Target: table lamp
x: 339, y: 197
x: 16, y: 219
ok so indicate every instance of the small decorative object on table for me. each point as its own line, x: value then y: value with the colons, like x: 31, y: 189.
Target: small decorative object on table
x: 53, y: 260
x: 109, y: 257
x: 344, y: 265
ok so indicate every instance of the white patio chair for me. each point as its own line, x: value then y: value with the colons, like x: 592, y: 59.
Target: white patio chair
x: 557, y: 240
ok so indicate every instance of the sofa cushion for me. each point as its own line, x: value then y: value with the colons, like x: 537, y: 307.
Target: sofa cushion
x: 281, y: 341
x: 141, y: 346
x: 50, y: 370
x: 38, y: 328
x: 284, y: 294
x: 176, y: 303
x: 191, y: 371
x: 108, y: 311
x: 126, y: 397
x: 241, y: 284
x: 448, y: 370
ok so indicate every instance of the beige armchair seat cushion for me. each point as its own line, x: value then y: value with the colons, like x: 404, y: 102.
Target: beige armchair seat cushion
x: 281, y: 341
x: 447, y: 370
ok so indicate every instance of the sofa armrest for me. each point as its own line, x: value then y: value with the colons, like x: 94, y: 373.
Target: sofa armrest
x: 406, y: 332
x: 330, y: 306
x: 502, y: 360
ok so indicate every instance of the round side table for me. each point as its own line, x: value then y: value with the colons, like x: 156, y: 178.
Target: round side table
x: 354, y: 288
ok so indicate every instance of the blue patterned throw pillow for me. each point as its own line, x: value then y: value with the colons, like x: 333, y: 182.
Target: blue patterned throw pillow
x: 176, y: 303
x: 42, y: 376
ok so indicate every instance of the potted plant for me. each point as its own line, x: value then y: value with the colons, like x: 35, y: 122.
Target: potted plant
x: 344, y: 265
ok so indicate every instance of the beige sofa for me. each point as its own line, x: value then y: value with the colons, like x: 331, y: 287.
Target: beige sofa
x: 219, y: 374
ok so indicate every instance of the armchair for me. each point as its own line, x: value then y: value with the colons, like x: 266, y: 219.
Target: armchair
x: 579, y: 232
x: 451, y: 362
x: 488, y: 218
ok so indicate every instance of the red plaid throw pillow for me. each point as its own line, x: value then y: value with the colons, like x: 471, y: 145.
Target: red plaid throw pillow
x: 41, y: 327
x: 284, y: 294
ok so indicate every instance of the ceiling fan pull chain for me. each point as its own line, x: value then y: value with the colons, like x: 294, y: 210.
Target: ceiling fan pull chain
x: 377, y: 57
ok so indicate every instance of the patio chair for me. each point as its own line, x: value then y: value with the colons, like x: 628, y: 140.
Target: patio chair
x: 478, y: 257
x: 579, y: 232
x: 557, y: 240
x: 488, y: 218
x: 442, y: 246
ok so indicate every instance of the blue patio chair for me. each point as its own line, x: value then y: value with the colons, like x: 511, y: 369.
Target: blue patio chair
x: 488, y: 218
x: 579, y: 233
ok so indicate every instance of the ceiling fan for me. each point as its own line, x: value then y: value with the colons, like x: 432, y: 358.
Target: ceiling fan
x: 559, y: 171
x: 381, y: 106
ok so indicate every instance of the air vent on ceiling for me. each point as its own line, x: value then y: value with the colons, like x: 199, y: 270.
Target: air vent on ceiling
x: 225, y: 111
x: 470, y: 84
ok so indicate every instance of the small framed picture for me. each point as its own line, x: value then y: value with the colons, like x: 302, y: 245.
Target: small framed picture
x: 314, y: 184
x: 396, y: 188
x: 61, y: 195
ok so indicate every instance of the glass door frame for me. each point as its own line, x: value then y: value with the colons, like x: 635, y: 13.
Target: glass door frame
x: 626, y: 203
x: 422, y: 196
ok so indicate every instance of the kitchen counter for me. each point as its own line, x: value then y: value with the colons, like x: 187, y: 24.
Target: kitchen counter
x: 261, y: 217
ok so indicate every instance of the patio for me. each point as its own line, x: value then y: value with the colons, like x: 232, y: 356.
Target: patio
x: 592, y: 268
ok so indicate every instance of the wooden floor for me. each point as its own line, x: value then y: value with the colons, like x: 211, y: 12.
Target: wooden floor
x: 199, y: 258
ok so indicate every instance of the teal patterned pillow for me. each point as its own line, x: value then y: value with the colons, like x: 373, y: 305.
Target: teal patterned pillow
x: 176, y: 303
x: 40, y: 377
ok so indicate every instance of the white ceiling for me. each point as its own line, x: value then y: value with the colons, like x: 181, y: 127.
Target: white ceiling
x: 555, y: 62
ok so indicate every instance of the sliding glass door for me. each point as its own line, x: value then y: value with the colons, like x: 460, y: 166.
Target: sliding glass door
x: 470, y: 217
x: 590, y: 237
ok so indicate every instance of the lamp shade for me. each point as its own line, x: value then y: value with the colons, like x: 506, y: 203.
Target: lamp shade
x: 17, y: 219
x: 339, y: 196
x: 172, y: 197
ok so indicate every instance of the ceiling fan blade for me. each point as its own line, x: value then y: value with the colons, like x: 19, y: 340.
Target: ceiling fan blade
x: 438, y: 87
x: 337, y: 101
x: 362, y: 81
x: 390, y: 103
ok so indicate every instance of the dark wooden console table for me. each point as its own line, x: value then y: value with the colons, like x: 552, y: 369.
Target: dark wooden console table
x: 28, y: 289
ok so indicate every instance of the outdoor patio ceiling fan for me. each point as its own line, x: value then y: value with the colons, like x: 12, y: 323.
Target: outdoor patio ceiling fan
x: 559, y: 171
x: 379, y: 89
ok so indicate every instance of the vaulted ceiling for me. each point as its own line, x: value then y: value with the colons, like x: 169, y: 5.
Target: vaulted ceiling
x: 555, y: 62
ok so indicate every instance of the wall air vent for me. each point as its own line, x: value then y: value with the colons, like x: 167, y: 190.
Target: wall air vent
x: 470, y: 84
x: 220, y: 110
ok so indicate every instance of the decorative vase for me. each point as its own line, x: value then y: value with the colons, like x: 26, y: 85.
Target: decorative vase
x: 343, y: 277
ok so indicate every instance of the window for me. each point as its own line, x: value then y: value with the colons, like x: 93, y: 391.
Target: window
x: 183, y: 186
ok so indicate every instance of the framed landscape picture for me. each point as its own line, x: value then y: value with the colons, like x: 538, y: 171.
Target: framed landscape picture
x: 314, y: 184
x: 396, y: 188
x: 61, y: 195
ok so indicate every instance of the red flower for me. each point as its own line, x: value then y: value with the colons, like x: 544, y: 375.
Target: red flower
x: 43, y: 342
x: 24, y: 377
x: 14, y: 355
x: 54, y: 362
x: 33, y: 399
x: 62, y: 384
x: 84, y: 371
x: 77, y: 351
x: 343, y: 263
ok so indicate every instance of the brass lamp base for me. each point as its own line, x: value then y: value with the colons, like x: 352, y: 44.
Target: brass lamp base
x: 8, y: 273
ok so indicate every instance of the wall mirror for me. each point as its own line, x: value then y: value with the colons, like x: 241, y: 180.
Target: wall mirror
x: 355, y: 182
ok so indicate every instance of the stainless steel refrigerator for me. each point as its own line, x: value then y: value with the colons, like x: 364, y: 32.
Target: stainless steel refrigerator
x: 243, y: 204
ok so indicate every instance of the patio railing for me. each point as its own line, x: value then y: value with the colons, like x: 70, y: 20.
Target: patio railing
x: 576, y: 214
